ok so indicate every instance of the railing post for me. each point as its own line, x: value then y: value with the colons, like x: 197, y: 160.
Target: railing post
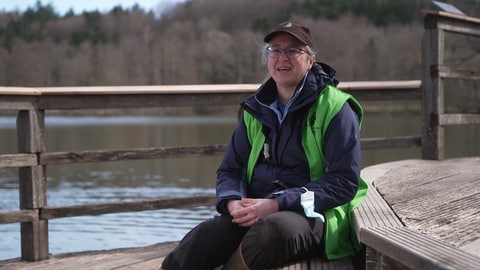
x: 433, y: 47
x: 32, y: 186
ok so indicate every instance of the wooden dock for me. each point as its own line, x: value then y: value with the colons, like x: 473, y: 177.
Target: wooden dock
x: 438, y: 199
x: 431, y: 219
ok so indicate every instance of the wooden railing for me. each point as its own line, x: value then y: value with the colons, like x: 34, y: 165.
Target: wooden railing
x: 435, y: 71
x: 32, y: 158
x: 390, y: 245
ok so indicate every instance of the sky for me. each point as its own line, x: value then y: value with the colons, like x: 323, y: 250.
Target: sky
x: 78, y: 6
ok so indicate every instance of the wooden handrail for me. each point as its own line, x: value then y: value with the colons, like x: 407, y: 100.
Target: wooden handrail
x: 450, y: 15
x: 190, y: 89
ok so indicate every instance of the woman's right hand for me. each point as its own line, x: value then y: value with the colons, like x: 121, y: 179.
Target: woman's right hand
x: 247, y: 211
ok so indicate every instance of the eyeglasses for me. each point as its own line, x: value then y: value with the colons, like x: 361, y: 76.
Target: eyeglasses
x: 276, y: 52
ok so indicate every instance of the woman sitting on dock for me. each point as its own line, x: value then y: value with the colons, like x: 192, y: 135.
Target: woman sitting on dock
x: 290, y: 177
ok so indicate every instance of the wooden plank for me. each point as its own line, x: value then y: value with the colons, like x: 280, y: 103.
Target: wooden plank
x: 97, y: 101
x: 433, y: 49
x: 211, y: 88
x: 439, y: 198
x: 380, y: 85
x: 190, y: 89
x: 451, y: 22
x: 458, y: 119
x: 374, y: 212
x: 149, y: 257
x: 30, y: 131
x: 423, y: 197
x: 17, y: 102
x: 153, y: 264
x: 191, y: 95
x: 19, y: 216
x: 383, y: 90
x: 153, y: 89
x: 390, y: 95
x: 71, y: 98
x: 74, y: 102
x: 454, y: 73
x: 19, y: 91
x: 18, y: 160
x: 120, y: 207
x: 34, y: 235
x: 143, y: 258
x: 459, y: 27
x: 32, y: 185
x: 34, y: 240
x: 391, y: 142
x: 192, y: 151
x: 130, y: 154
x: 416, y: 250
x: 451, y: 15
x: 146, y: 258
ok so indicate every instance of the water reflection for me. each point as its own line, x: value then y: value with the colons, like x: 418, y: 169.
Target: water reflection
x: 89, y: 183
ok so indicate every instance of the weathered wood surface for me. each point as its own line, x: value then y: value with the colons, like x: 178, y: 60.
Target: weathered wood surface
x: 19, y: 216
x: 131, y: 154
x: 410, y: 249
x: 48, y: 213
x: 18, y: 160
x: 145, y: 258
x: 434, y: 73
x: 458, y: 119
x: 392, y: 242
x: 32, y: 185
x: 374, y: 211
x: 133, y: 258
x: 438, y: 198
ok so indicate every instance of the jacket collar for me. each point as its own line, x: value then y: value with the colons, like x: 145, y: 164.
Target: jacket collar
x: 319, y: 76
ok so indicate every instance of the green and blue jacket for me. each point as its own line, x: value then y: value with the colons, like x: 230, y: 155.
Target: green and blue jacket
x: 312, y: 142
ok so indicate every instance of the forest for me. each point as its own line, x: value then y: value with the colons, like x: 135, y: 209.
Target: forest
x: 212, y: 41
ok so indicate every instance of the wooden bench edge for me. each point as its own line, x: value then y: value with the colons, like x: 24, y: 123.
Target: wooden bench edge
x: 416, y: 250
x: 374, y: 211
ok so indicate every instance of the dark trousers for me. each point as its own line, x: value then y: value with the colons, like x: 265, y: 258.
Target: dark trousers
x: 272, y: 241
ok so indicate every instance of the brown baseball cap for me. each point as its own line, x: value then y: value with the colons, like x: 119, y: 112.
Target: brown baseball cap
x: 294, y: 28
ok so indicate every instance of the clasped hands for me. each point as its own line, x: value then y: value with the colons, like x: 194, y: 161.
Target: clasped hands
x: 247, y: 211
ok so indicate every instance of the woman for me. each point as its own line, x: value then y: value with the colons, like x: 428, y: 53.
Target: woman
x: 291, y: 174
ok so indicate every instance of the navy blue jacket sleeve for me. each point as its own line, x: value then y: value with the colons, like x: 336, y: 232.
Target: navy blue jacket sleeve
x: 342, y: 173
x: 230, y: 174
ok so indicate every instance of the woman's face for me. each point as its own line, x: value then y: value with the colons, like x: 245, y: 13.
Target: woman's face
x: 287, y: 71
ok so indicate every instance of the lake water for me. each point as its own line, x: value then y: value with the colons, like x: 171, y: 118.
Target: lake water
x: 152, y: 179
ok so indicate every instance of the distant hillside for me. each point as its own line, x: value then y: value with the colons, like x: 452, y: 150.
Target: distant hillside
x: 208, y: 41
